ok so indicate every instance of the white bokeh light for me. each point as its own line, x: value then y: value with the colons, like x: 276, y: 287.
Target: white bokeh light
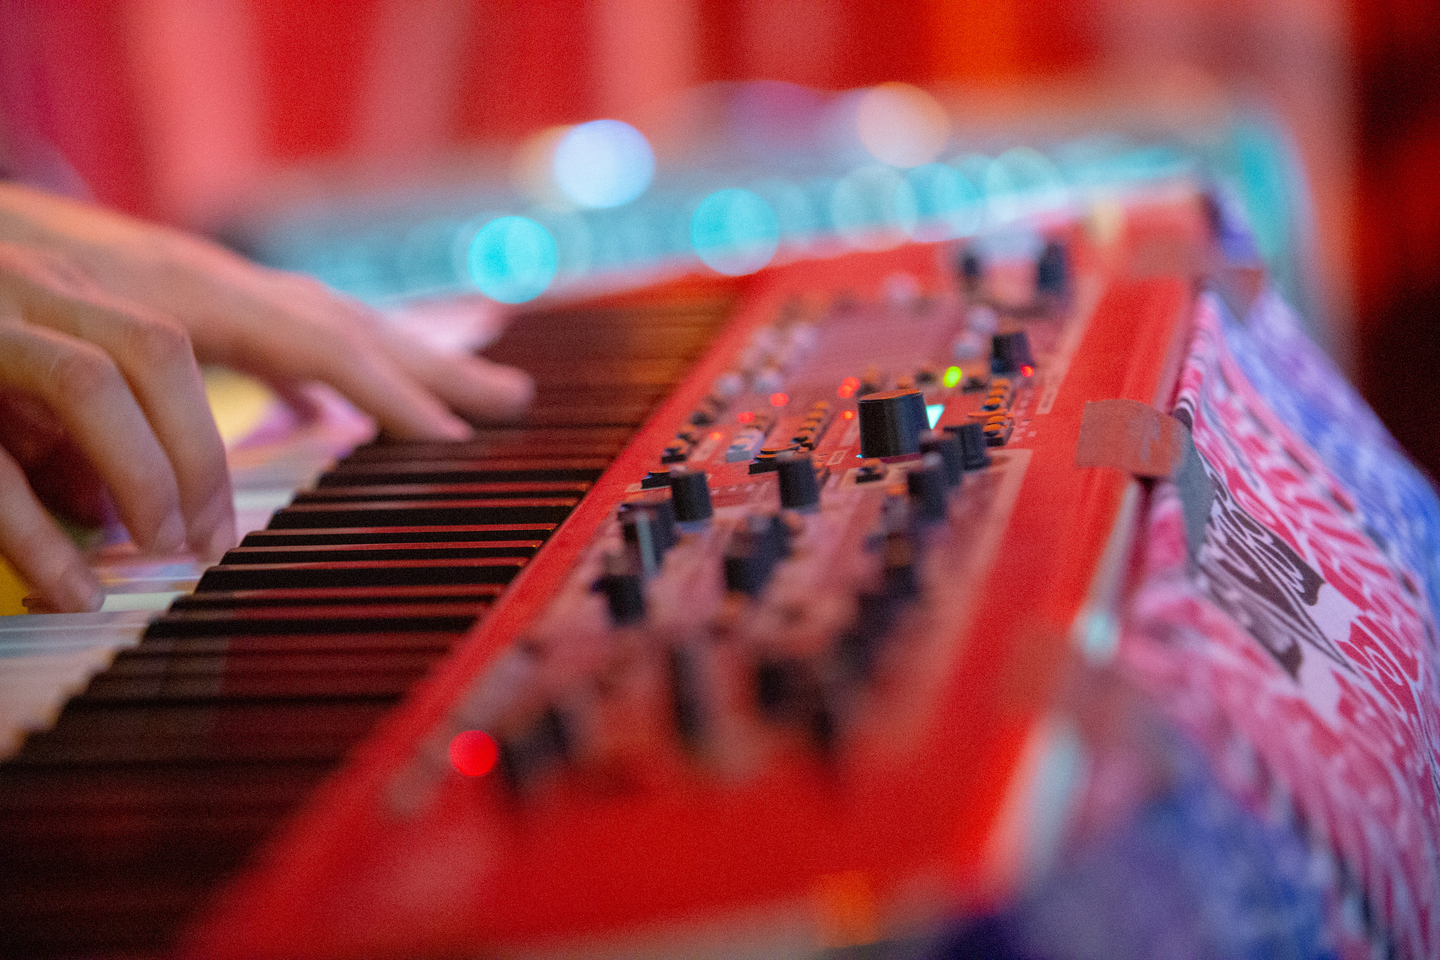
x: 603, y: 163
x: 901, y: 125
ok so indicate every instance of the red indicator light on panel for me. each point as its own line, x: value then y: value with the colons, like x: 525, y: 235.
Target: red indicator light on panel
x: 1027, y: 371
x: 745, y: 416
x: 779, y: 399
x: 473, y: 753
x: 848, y: 386
x: 848, y: 415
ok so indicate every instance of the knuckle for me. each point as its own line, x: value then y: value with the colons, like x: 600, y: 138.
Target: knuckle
x: 354, y: 343
x: 158, y: 342
x: 81, y: 373
x: 35, y: 274
x: 328, y: 303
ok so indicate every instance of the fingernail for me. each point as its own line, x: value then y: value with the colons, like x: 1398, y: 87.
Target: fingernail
x: 456, y: 429
x: 214, y: 526
x: 517, y: 385
x: 79, y: 591
x: 220, y: 541
x: 170, y: 538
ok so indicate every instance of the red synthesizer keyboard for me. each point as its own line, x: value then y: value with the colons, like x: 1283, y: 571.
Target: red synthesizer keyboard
x: 776, y: 681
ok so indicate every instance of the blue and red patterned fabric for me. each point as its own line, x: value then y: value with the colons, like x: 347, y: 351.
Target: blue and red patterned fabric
x: 1287, y: 662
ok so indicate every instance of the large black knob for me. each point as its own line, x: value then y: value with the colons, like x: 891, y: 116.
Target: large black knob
x: 891, y: 423
x: 690, y: 493
x: 798, y: 487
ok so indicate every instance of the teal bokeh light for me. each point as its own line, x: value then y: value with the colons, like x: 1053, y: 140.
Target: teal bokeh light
x: 874, y: 208
x: 1022, y: 182
x: 734, y: 231
x: 513, y: 259
x: 947, y: 203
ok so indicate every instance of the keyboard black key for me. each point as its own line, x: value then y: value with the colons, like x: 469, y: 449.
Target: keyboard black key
x: 399, y: 513
x: 402, y: 534
x: 378, y: 573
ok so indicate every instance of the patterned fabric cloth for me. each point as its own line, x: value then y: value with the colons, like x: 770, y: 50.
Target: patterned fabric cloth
x: 1289, y: 658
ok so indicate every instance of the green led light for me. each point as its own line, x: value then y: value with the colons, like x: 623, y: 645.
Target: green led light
x: 952, y: 376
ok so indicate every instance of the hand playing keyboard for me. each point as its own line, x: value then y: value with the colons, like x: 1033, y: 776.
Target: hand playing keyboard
x: 102, y: 319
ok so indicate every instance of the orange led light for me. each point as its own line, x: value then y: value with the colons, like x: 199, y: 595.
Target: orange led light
x: 848, y: 415
x: 779, y: 399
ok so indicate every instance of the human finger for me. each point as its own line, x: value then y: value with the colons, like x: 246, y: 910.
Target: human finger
x: 370, y: 379
x: 40, y: 552
x: 276, y: 326
x: 87, y: 394
x: 471, y: 385
x: 155, y: 358
x: 58, y: 472
x: 288, y: 329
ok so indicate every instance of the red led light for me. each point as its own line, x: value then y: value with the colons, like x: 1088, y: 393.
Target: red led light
x: 473, y: 753
x: 1027, y: 371
x: 745, y: 416
x: 848, y: 386
x: 848, y: 415
x: 779, y: 399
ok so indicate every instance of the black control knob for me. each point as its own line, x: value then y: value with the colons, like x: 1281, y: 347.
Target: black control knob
x: 952, y: 455
x: 624, y: 591
x: 1009, y: 352
x: 759, y: 544
x: 687, y: 694
x: 971, y: 269
x: 927, y: 486
x: 891, y: 423
x: 649, y: 530
x: 690, y: 494
x: 625, y: 596
x: 1052, y: 270
x: 898, y: 578
x: 546, y: 743
x: 974, y: 452
x: 799, y: 489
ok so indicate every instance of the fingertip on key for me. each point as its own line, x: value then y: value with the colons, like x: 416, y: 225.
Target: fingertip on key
x: 170, y: 537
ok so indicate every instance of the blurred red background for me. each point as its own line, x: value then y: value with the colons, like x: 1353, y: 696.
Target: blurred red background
x: 183, y: 110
